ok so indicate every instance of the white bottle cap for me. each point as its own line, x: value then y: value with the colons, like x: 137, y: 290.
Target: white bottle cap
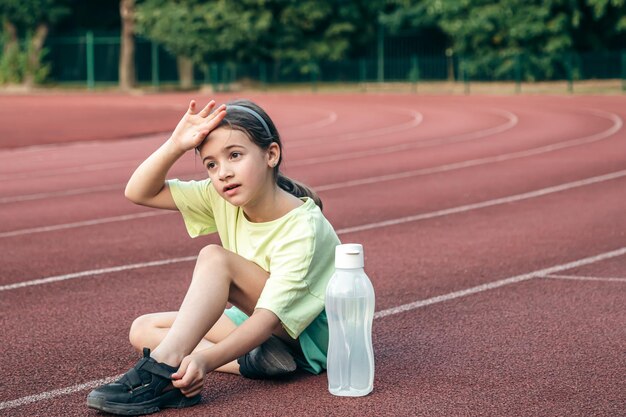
x: 349, y: 255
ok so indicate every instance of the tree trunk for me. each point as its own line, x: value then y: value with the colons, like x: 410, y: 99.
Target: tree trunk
x: 11, y: 35
x: 127, y: 45
x: 34, y: 54
x: 185, y: 72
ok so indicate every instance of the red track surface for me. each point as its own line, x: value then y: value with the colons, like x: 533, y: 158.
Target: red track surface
x: 512, y: 191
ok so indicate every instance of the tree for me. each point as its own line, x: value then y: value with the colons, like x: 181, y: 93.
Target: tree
x: 533, y: 36
x: 127, y: 45
x: 198, y: 32
x: 31, y: 19
x: 254, y: 30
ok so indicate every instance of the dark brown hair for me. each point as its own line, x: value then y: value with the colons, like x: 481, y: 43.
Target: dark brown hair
x: 251, y: 126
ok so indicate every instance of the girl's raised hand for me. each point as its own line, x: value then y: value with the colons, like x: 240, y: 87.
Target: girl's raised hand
x: 195, y: 126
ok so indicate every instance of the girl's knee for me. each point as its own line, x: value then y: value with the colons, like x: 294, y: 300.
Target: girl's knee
x: 139, y: 328
x: 213, y: 255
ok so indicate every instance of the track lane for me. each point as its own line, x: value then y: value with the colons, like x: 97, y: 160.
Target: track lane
x: 64, y: 295
x: 200, y: 174
x: 371, y: 203
x: 593, y: 219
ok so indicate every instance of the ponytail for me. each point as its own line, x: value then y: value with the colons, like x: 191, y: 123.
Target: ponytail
x: 297, y: 189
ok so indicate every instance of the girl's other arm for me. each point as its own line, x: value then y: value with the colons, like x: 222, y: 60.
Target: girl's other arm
x: 147, y: 184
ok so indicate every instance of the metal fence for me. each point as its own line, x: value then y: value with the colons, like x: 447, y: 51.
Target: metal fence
x: 89, y: 60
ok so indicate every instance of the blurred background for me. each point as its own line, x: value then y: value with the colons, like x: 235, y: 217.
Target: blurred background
x: 269, y: 44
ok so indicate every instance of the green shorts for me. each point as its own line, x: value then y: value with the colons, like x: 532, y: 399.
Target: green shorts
x: 313, y: 341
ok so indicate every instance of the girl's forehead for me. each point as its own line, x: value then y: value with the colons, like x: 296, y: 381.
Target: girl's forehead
x: 221, y: 138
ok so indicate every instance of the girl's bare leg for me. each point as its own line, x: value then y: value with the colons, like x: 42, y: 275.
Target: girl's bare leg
x: 149, y: 331
x: 219, y: 276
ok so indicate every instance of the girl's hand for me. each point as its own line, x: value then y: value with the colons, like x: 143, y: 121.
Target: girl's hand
x: 190, y: 376
x: 195, y: 126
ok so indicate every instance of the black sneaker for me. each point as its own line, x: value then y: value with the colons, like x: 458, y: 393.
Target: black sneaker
x: 144, y: 389
x: 270, y: 360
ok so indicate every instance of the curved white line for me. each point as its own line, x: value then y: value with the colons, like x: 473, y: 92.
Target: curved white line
x: 512, y: 122
x: 416, y: 119
x: 617, y: 125
x: 328, y: 120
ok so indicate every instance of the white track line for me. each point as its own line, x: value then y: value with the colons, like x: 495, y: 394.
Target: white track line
x: 70, y: 170
x: 360, y: 228
x: 488, y: 203
x: 64, y: 193
x: 478, y: 134
x: 380, y: 314
x: 500, y: 283
x: 95, y: 272
x: 57, y: 393
x: 416, y: 119
x: 86, y: 223
x: 578, y: 278
x: 329, y: 120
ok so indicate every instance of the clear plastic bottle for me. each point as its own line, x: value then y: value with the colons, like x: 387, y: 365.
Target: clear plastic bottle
x: 350, y: 311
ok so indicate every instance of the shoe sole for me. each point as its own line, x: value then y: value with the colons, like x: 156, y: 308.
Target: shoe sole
x: 170, y: 399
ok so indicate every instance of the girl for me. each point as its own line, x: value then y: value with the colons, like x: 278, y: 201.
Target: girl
x: 274, y: 265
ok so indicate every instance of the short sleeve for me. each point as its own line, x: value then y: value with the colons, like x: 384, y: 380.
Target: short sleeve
x: 193, y: 199
x: 286, y: 292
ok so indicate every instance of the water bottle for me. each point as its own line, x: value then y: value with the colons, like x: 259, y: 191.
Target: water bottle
x: 350, y: 312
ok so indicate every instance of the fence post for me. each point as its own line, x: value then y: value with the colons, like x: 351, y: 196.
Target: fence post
x: 314, y: 76
x: 624, y: 70
x: 224, y: 77
x: 415, y: 73
x: 263, y: 75
x: 570, y: 72
x: 463, y: 75
x: 363, y: 74
x: 518, y: 74
x: 214, y: 75
x: 381, y: 53
x: 154, y: 58
x: 89, y: 44
x: 232, y: 74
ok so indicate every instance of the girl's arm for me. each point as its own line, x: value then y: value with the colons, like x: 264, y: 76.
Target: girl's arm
x: 250, y: 334
x: 147, y: 184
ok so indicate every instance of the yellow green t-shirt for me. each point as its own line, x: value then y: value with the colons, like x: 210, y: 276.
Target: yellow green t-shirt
x: 297, y: 249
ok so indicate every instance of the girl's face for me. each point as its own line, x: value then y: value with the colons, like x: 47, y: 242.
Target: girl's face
x: 240, y: 171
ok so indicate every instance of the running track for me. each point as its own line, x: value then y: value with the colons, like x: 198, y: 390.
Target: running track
x: 494, y: 232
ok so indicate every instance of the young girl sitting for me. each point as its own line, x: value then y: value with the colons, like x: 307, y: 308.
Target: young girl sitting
x: 274, y: 265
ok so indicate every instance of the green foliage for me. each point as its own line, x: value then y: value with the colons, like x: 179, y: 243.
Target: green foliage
x: 204, y: 31
x: 298, y: 32
x: 15, y: 65
x: 309, y: 31
x: 25, y: 16
x: 28, y: 14
x: 12, y: 64
x: 490, y: 36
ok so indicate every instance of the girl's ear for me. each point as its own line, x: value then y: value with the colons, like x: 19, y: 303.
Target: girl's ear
x: 273, y: 154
